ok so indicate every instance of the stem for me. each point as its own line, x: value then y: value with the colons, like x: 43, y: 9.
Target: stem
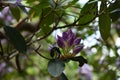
x: 1, y: 52
x: 41, y: 54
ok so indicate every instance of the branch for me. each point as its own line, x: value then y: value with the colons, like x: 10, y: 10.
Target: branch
x: 81, y: 16
x: 45, y: 36
x: 40, y: 54
x: 1, y: 52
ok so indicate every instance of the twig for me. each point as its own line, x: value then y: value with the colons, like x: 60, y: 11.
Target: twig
x: 54, y: 28
x: 1, y: 52
x: 13, y: 54
x: 41, y: 54
x: 81, y: 16
x: 5, y: 58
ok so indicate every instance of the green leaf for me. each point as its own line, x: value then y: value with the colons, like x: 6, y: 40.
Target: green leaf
x: 15, y: 12
x: 71, y: 3
x: 44, y: 1
x: 56, y: 67
x: 1, y: 22
x: 104, y: 22
x: 47, y: 20
x: 15, y: 38
x: 30, y: 1
x: 88, y: 13
x: 37, y: 9
x: 114, y: 10
x: 1, y: 8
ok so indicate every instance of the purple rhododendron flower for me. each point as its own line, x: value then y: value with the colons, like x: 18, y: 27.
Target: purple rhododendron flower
x: 69, y: 43
x: 2, y: 66
x: 86, y: 71
x: 5, y: 11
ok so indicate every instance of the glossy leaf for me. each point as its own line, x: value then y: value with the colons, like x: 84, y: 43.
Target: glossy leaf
x: 71, y: 3
x: 30, y: 1
x: 88, y: 13
x: 104, y: 21
x: 15, y: 12
x: 56, y: 67
x: 1, y: 8
x: 47, y: 20
x: 44, y: 1
x: 15, y: 38
x: 114, y: 10
x: 37, y: 9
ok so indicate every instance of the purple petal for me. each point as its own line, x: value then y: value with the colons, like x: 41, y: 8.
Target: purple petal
x: 64, y: 35
x: 74, y: 36
x: 77, y: 41
x: 69, y: 32
x: 5, y: 11
x: 86, y: 70
x: 60, y: 42
x: 9, y: 18
x: 71, y: 40
x: 77, y: 49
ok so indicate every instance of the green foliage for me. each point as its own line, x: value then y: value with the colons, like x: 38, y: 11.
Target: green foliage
x: 15, y: 12
x: 15, y: 38
x: 114, y: 10
x: 37, y: 9
x: 48, y: 19
x: 106, y: 75
x: 104, y: 21
x: 88, y: 13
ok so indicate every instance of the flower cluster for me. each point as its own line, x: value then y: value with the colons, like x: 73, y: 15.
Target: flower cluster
x: 69, y: 43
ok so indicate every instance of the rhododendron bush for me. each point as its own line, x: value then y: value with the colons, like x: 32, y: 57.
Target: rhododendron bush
x: 59, y: 39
